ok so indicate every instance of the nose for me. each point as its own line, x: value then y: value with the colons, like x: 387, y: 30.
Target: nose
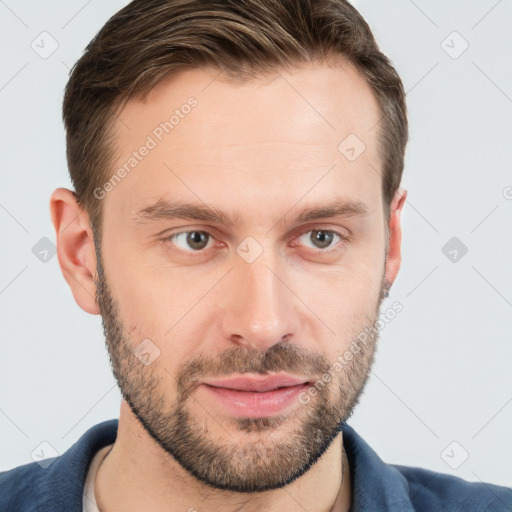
x: 259, y: 308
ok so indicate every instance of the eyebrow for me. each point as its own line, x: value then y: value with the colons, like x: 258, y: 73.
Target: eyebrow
x: 175, y: 210
x: 167, y: 210
x: 343, y: 208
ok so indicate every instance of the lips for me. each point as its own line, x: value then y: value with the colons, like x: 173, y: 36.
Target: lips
x: 257, y: 384
x: 255, y: 396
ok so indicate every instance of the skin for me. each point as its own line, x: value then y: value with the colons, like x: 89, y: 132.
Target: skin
x: 265, y: 152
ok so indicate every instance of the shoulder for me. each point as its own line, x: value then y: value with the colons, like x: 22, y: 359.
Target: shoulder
x: 429, y: 490
x: 55, y: 484
x: 21, y: 485
x: 378, y: 486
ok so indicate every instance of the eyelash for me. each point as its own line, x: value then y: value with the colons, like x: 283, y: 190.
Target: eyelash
x: 343, y: 238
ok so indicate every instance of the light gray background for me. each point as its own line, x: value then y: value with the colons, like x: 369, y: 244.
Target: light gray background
x: 443, y: 370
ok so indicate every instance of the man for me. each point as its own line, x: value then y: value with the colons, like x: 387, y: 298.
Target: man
x: 236, y: 222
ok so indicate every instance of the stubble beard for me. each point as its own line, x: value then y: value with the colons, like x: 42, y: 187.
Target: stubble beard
x: 266, y: 458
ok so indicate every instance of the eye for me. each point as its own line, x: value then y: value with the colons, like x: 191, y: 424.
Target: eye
x: 186, y: 240
x: 320, y: 238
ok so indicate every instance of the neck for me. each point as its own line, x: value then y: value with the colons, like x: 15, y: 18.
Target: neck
x: 137, y: 474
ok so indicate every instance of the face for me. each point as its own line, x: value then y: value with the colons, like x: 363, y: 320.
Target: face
x: 244, y: 243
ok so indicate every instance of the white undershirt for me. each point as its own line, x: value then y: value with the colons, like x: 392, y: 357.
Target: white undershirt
x: 88, y: 497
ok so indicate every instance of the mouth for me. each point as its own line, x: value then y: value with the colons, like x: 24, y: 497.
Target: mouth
x: 257, y: 383
x: 256, y: 396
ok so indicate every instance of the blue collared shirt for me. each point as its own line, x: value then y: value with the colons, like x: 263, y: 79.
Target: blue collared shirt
x: 376, y: 486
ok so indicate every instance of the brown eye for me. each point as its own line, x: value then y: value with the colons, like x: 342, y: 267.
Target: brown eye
x: 196, y: 240
x: 319, y: 238
x: 322, y: 239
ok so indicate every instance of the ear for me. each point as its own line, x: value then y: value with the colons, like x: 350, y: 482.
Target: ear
x: 394, y: 255
x: 75, y: 248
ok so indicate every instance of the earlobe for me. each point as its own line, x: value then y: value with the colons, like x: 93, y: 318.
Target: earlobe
x: 75, y: 248
x: 394, y: 255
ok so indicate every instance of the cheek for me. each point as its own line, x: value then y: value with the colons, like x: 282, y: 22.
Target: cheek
x: 351, y: 286
x: 164, y: 304
x: 148, y: 295
x: 344, y: 298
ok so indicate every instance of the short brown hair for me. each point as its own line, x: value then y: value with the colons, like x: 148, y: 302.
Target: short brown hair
x: 148, y: 39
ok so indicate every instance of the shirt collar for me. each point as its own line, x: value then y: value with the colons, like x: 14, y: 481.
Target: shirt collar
x: 376, y: 486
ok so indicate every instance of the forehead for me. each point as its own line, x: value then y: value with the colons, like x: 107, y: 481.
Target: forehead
x: 280, y: 131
